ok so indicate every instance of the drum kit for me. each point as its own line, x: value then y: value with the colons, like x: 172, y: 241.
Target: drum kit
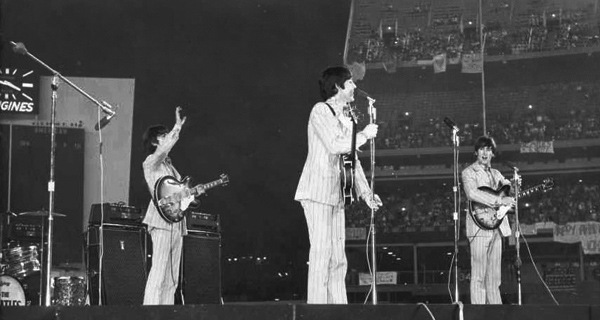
x: 20, y: 268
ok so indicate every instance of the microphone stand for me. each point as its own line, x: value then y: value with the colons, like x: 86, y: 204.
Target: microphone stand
x: 106, y: 108
x: 455, y: 143
x: 518, y: 261
x: 372, y: 119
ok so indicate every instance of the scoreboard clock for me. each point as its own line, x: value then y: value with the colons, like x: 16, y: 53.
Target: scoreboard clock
x: 18, y: 91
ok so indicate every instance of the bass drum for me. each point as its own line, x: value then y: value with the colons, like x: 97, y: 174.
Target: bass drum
x: 12, y: 293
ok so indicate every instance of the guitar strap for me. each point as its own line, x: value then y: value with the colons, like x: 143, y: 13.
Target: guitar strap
x: 331, y: 109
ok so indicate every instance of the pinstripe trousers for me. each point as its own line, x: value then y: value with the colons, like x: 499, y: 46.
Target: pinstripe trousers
x: 164, y: 274
x: 327, y: 258
x: 486, y: 261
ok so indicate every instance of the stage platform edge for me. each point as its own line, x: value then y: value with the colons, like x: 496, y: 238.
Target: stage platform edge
x: 297, y: 311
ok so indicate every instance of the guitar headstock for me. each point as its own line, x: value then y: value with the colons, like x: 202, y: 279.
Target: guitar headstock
x: 224, y: 179
x: 548, y: 184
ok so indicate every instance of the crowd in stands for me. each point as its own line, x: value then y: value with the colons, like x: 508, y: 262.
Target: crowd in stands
x: 564, y: 203
x: 457, y: 34
x: 401, y: 132
x: 407, y: 210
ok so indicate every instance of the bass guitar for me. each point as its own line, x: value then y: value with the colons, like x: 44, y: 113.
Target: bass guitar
x: 489, y: 218
x: 347, y: 164
x: 172, y: 197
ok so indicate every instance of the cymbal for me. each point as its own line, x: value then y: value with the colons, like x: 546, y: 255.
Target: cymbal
x: 41, y: 213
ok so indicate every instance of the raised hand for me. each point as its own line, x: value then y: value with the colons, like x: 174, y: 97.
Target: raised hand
x: 178, y: 120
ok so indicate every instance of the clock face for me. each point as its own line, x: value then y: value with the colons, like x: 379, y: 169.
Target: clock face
x: 18, y: 90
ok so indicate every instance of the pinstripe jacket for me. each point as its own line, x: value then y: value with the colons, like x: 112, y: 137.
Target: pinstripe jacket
x: 329, y: 137
x: 475, y: 176
x: 156, y: 166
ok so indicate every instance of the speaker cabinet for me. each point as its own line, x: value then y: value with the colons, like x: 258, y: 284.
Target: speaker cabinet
x: 201, y: 277
x: 124, y: 270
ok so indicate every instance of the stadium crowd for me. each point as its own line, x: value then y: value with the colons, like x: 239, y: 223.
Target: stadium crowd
x: 456, y: 34
x: 409, y: 210
x: 401, y: 132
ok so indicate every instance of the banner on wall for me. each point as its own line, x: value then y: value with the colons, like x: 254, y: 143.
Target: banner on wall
x: 537, y: 147
x: 588, y: 233
x: 472, y: 63
x: 439, y: 63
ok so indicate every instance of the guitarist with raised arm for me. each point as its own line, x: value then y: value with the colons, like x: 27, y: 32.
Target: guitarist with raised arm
x: 167, y: 238
x: 330, y: 136
x: 485, y: 244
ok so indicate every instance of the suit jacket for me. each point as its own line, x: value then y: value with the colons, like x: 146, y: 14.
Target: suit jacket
x: 156, y: 166
x: 475, y: 176
x: 329, y: 137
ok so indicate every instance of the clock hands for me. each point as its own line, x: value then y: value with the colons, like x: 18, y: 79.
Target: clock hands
x: 8, y: 84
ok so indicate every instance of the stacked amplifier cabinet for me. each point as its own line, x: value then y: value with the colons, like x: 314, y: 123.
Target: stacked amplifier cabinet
x: 115, y: 213
x: 201, y: 274
x: 116, y: 261
x: 203, y: 222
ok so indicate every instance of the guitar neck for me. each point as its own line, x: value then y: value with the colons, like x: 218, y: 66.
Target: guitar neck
x: 529, y: 191
x: 207, y: 186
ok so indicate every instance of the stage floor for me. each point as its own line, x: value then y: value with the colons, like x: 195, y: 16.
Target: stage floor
x: 293, y: 311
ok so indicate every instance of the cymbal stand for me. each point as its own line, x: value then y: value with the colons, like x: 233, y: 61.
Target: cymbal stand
x: 106, y: 108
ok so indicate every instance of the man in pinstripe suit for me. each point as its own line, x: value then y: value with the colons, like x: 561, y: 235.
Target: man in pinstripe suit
x: 166, y: 237
x: 319, y: 188
x: 486, y: 245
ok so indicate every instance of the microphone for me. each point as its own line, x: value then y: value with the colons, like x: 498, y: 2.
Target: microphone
x: 510, y: 165
x: 363, y: 94
x: 19, y: 47
x: 451, y: 124
x: 104, y: 121
x: 110, y: 113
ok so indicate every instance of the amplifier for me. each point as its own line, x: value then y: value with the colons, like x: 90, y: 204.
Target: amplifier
x: 117, y: 213
x: 26, y: 228
x: 198, y: 221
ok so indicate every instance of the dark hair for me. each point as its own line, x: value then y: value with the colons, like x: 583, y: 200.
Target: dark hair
x: 485, y: 141
x: 330, y: 77
x: 150, y: 137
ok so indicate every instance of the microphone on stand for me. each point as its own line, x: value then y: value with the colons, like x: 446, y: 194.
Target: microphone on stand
x: 510, y: 165
x: 372, y: 110
x: 110, y: 113
x: 451, y: 124
x: 363, y: 94
x: 19, y: 47
x: 104, y: 121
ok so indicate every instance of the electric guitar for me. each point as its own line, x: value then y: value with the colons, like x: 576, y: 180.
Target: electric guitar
x: 347, y: 164
x: 172, y: 197
x: 489, y: 218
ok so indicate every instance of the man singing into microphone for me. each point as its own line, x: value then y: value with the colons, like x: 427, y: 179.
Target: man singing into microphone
x: 167, y: 237
x: 319, y: 189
